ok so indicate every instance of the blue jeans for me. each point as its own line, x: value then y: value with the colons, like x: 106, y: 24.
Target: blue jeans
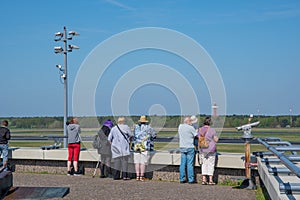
x: 4, y: 152
x: 187, y: 161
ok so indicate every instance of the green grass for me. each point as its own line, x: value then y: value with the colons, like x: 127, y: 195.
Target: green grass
x: 239, y: 148
x: 227, y: 133
x: 29, y: 143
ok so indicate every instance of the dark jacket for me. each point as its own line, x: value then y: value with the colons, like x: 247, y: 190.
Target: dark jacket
x: 4, y: 135
x: 105, y: 145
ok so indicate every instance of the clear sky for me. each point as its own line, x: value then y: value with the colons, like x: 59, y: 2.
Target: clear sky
x: 254, y: 44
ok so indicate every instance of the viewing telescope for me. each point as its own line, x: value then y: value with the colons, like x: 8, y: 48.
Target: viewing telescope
x: 247, y: 130
x: 247, y: 126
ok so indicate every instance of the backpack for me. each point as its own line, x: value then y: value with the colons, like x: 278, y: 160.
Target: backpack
x: 96, y: 142
x: 202, y: 142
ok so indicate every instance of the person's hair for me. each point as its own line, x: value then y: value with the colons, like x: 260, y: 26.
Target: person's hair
x: 121, y: 120
x: 207, y: 121
x: 73, y: 120
x: 187, y: 120
x: 4, y: 123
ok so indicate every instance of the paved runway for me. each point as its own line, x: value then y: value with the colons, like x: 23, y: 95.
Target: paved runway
x: 86, y: 187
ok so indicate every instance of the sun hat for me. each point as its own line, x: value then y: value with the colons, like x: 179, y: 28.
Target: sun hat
x: 194, y: 119
x: 108, y: 123
x: 143, y: 119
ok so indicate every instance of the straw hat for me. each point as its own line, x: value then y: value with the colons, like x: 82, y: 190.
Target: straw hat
x: 194, y: 119
x: 143, y: 119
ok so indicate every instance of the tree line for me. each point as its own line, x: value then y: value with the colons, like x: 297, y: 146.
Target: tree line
x: 156, y: 121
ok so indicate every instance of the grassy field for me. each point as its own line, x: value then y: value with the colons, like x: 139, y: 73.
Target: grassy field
x: 287, y: 134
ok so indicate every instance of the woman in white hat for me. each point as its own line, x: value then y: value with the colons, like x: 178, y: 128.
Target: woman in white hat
x: 143, y: 143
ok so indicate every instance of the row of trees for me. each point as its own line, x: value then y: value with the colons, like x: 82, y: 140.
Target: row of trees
x: 156, y: 121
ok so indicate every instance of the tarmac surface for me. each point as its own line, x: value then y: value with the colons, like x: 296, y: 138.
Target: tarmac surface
x: 86, y: 187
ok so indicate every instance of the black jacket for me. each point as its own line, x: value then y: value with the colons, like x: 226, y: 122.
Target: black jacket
x: 4, y: 135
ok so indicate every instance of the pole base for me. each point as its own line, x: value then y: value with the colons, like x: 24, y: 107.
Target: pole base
x: 247, y: 184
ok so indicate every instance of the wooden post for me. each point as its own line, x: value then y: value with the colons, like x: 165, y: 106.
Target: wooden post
x: 247, y: 160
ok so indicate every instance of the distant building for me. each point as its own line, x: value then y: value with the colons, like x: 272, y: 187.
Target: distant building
x: 214, y: 110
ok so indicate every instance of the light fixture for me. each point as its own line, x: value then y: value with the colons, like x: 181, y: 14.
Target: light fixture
x: 59, y: 66
x: 58, y: 49
x: 71, y: 46
x: 63, y: 76
x: 73, y: 33
x: 59, y: 34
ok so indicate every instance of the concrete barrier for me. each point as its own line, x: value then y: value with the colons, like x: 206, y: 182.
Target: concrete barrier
x: 225, y: 160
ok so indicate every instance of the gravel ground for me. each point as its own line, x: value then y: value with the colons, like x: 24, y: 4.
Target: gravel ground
x: 86, y: 187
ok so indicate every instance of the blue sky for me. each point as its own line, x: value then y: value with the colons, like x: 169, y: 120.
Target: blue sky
x: 254, y: 44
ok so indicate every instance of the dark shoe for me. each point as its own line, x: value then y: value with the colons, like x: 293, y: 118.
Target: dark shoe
x: 192, y: 182
x: 69, y: 173
x: 78, y: 173
x: 102, y: 176
x: 182, y: 182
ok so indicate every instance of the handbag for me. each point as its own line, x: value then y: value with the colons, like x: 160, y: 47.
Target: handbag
x: 202, y: 141
x: 200, y: 158
x: 140, y: 147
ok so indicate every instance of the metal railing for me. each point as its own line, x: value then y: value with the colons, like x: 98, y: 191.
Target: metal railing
x: 288, y: 160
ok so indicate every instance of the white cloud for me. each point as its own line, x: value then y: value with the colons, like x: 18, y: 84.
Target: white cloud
x: 116, y: 3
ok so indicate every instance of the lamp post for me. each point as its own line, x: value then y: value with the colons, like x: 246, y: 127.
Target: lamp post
x: 291, y: 118
x: 63, y: 37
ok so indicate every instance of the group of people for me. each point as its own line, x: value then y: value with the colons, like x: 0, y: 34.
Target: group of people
x: 117, y: 142
x: 188, y: 131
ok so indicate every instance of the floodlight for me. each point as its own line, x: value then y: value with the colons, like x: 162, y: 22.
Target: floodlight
x: 58, y: 49
x: 71, y: 46
x: 59, y: 34
x: 59, y: 66
x: 73, y: 33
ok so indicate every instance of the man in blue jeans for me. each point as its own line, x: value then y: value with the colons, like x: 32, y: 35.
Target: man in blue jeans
x: 187, y: 134
x: 4, y: 137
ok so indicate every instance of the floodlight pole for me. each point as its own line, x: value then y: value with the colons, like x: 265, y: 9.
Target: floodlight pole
x: 63, y: 37
x: 65, y: 87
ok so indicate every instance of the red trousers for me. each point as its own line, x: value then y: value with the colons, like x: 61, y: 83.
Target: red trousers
x: 74, y: 150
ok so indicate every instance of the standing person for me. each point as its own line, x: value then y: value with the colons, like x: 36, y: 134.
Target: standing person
x: 194, y: 121
x: 105, y: 149
x: 4, y: 137
x: 187, y: 134
x: 73, y: 130
x: 209, y: 159
x: 143, y: 143
x: 119, y: 138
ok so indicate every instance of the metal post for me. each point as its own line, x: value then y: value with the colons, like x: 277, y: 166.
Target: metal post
x: 65, y: 88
